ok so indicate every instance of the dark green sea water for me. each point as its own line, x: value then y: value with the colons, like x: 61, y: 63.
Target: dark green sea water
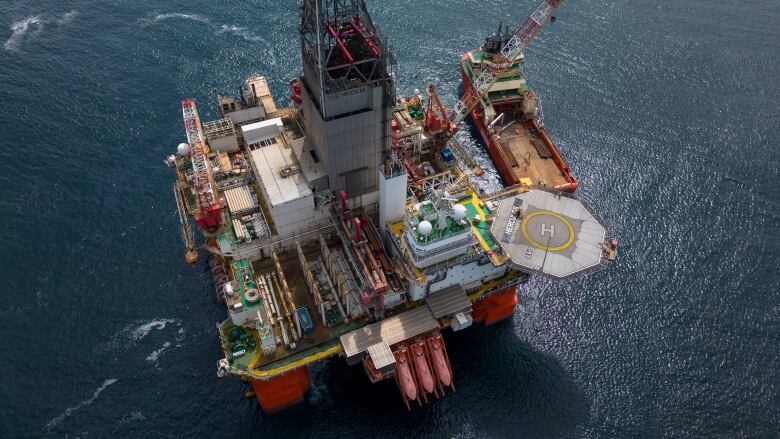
x: 666, y: 110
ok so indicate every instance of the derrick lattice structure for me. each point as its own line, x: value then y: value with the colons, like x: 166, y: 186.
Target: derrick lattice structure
x: 347, y: 92
x: 339, y: 40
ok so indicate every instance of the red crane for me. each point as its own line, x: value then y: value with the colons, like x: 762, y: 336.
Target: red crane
x: 436, y: 118
x: 208, y: 215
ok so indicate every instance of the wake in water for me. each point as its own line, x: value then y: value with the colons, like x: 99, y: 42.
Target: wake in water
x: 130, y: 417
x: 143, y: 330
x: 155, y: 355
x: 133, y: 333
x: 33, y: 25
x: 217, y: 29
x: 68, y: 411
x: 489, y: 181
x: 242, y: 32
x: 177, y: 15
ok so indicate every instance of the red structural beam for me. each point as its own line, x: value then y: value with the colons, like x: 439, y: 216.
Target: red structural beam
x: 340, y: 43
x: 369, y: 39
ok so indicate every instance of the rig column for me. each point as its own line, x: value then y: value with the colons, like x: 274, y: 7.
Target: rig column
x: 283, y: 391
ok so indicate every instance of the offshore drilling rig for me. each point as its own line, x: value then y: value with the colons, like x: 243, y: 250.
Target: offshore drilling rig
x: 348, y: 225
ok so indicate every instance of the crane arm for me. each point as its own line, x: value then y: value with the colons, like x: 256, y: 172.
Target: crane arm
x: 521, y: 38
x: 201, y: 171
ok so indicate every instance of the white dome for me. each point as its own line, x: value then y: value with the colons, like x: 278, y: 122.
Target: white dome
x: 459, y: 212
x: 425, y: 228
x: 183, y: 149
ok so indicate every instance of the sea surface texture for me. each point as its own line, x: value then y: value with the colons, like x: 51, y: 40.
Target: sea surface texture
x: 667, y: 112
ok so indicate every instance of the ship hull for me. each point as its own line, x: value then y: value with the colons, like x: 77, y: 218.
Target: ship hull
x: 505, y: 169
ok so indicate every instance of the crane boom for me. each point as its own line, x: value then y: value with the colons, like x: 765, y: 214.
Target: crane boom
x: 521, y: 38
x: 436, y: 123
x: 207, y: 216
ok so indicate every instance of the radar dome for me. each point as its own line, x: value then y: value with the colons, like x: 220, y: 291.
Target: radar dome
x: 459, y: 212
x: 425, y: 228
x: 183, y: 149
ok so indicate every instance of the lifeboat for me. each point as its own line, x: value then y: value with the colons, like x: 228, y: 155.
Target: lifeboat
x: 422, y: 368
x: 404, y: 377
x: 441, y: 363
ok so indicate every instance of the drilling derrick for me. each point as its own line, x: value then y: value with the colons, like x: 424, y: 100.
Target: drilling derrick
x: 346, y: 93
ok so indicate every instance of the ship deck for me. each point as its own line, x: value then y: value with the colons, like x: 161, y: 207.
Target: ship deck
x: 321, y: 339
x: 478, y: 213
x: 523, y: 152
x: 530, y: 156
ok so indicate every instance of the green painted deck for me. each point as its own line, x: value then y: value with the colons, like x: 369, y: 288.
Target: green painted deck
x: 475, y: 209
x: 245, y: 266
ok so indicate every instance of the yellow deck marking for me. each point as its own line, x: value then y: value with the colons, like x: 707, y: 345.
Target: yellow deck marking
x: 475, y: 201
x: 270, y: 373
x: 528, y: 238
x: 258, y: 352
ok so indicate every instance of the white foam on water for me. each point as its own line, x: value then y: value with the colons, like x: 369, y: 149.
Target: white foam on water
x: 66, y: 18
x: 242, y: 32
x: 130, y: 417
x: 69, y: 411
x: 489, y: 182
x: 34, y: 24
x: 143, y: 330
x: 218, y: 29
x: 134, y: 332
x: 152, y: 358
x: 177, y: 16
x: 20, y: 28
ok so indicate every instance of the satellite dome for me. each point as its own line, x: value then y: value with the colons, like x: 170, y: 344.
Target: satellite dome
x: 425, y: 228
x: 183, y: 149
x: 459, y: 212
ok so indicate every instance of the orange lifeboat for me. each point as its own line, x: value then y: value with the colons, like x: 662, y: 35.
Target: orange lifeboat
x: 440, y: 362
x: 423, y: 370
x: 405, y: 377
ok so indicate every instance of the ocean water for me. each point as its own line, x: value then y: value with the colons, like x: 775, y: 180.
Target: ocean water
x: 666, y: 111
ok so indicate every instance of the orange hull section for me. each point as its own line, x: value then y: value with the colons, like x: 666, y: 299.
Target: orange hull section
x: 496, y: 307
x: 283, y: 391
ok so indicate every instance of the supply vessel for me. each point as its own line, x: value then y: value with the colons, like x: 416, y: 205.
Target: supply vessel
x: 349, y: 224
x: 509, y: 120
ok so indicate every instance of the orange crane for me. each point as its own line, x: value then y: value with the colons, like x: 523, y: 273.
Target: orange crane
x: 208, y: 215
x: 436, y: 118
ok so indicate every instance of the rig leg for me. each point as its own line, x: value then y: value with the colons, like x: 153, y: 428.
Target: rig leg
x: 283, y: 391
x: 497, y: 307
x: 191, y: 256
